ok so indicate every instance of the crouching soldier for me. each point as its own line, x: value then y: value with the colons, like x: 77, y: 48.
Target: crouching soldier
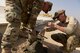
x: 68, y: 25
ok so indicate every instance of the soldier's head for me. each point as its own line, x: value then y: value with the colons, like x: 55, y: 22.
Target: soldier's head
x: 60, y: 15
x: 47, y: 6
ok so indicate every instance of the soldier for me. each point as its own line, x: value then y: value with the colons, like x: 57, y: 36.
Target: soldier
x: 71, y: 30
x: 19, y: 12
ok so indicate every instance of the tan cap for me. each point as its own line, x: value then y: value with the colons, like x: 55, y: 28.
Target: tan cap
x: 56, y: 14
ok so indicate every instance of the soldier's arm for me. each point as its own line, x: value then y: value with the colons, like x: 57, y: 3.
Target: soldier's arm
x: 70, y: 28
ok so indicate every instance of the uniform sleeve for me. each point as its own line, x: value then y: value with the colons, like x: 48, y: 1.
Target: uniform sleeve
x: 71, y: 26
x: 34, y: 13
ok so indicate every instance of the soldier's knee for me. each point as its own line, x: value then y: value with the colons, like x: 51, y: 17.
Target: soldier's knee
x: 12, y: 20
x: 12, y: 17
x: 9, y: 17
x: 71, y: 43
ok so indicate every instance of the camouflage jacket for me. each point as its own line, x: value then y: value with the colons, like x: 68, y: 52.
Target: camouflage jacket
x: 25, y: 10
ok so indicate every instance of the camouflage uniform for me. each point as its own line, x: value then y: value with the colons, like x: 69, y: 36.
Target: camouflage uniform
x: 17, y: 12
x: 72, y: 37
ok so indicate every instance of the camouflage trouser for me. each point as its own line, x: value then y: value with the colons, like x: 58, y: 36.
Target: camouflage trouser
x: 13, y: 12
x: 14, y: 15
x: 72, y: 43
x: 69, y: 43
x: 11, y: 35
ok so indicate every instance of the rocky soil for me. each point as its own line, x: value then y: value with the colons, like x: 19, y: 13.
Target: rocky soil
x: 53, y: 46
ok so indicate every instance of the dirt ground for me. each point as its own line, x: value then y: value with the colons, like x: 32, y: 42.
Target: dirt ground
x: 53, y: 46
